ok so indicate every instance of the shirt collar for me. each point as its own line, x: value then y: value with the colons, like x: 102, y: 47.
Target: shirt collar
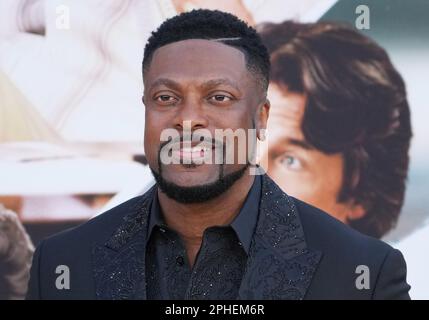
x: 155, y: 216
x: 244, y: 223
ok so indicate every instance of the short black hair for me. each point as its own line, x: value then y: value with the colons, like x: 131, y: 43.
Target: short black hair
x: 213, y: 25
x: 356, y: 106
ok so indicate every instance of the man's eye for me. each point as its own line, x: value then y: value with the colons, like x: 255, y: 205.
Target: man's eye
x: 220, y: 98
x: 290, y: 162
x: 165, y: 98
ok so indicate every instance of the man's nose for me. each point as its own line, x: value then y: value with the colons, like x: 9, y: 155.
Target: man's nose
x: 193, y: 114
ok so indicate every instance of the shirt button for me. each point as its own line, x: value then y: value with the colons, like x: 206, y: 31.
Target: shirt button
x: 180, y: 261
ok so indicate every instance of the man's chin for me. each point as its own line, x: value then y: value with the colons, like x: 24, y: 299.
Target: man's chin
x: 194, y: 186
x: 191, y: 175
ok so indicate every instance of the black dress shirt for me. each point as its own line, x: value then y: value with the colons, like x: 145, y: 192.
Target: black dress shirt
x: 219, y: 265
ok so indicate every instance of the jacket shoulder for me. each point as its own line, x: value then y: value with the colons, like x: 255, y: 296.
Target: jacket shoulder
x: 346, y: 253
x: 98, y: 228
x: 73, y: 248
x: 328, y: 233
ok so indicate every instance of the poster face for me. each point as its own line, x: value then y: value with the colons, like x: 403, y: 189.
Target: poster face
x: 346, y: 132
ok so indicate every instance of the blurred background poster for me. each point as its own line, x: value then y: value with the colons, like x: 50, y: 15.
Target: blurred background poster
x: 72, y: 120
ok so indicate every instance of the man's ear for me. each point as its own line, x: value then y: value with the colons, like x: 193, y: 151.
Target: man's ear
x: 262, y: 119
x: 143, y: 99
x: 355, y: 211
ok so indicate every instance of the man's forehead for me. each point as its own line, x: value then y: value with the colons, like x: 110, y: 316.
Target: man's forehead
x: 202, y: 82
x: 197, y: 45
x: 197, y: 56
x: 285, y: 103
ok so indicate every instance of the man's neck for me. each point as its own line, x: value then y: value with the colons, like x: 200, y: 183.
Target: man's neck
x: 191, y: 220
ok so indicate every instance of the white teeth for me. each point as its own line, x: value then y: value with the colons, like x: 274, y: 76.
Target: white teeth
x: 195, y: 149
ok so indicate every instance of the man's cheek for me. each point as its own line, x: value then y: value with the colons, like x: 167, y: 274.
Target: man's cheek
x: 151, y: 150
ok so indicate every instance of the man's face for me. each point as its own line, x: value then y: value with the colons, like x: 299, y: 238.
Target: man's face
x: 207, y: 84
x: 298, y: 168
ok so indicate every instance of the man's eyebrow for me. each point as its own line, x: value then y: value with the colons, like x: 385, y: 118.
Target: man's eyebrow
x: 209, y: 84
x: 299, y: 143
x: 166, y: 82
x: 217, y: 82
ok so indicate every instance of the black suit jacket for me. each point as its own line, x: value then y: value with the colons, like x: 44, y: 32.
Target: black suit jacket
x: 297, y: 252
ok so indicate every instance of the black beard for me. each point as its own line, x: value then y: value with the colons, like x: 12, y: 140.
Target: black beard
x: 200, y: 193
